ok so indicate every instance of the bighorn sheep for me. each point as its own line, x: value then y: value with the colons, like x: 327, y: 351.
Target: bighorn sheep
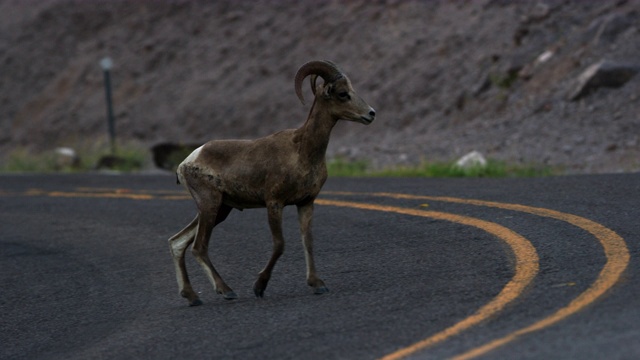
x: 285, y: 168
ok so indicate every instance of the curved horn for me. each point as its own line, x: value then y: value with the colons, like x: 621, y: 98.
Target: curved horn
x: 325, y: 69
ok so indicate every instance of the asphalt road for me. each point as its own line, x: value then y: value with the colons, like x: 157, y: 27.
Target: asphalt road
x: 489, y: 268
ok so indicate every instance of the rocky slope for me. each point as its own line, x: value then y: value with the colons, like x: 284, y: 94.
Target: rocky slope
x: 511, y: 79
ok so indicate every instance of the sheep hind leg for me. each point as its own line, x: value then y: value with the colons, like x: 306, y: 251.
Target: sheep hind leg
x: 207, y: 221
x: 305, y: 215
x: 178, y: 244
x: 275, y: 225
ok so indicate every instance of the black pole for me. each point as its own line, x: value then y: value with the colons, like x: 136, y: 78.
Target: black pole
x: 110, y: 119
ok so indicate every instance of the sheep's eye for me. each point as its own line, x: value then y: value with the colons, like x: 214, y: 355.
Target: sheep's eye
x: 344, y: 95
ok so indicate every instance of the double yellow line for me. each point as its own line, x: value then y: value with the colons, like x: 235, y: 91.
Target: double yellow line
x: 614, y: 247
x: 526, y: 267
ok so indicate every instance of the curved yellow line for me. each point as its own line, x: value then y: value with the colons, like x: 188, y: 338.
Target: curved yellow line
x: 525, y: 270
x: 617, y: 254
x: 614, y: 246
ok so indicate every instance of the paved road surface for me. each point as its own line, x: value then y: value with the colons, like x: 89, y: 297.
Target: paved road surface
x: 417, y: 268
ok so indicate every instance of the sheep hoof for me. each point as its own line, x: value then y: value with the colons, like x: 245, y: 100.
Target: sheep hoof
x: 321, y: 290
x: 259, y: 286
x: 258, y: 292
x: 190, y: 295
x: 230, y: 295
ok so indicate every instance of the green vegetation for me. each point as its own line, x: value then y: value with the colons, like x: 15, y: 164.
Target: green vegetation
x: 342, y: 168
x: 91, y: 156
x: 504, y: 81
x: 132, y: 157
x: 21, y: 160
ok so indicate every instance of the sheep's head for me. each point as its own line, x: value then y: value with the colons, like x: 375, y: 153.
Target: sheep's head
x: 336, y: 91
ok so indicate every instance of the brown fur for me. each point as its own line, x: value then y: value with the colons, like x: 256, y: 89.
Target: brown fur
x: 285, y: 168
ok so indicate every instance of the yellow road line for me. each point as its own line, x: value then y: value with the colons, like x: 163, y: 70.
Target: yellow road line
x: 109, y: 194
x: 133, y: 196
x: 179, y: 191
x: 525, y: 270
x: 526, y: 257
x: 614, y: 246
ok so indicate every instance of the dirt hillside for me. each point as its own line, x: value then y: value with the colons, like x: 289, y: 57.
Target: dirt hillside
x: 511, y: 79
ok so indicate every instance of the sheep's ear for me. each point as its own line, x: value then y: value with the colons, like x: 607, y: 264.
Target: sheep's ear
x: 328, y: 90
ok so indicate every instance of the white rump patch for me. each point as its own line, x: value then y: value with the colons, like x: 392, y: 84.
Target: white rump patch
x: 193, y: 156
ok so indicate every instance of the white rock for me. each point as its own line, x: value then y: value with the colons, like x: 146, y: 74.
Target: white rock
x: 544, y: 57
x: 65, y: 158
x: 66, y: 151
x: 602, y: 74
x: 471, y: 160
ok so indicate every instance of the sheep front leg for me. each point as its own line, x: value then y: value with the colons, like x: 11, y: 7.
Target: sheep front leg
x: 305, y: 215
x: 274, y: 211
